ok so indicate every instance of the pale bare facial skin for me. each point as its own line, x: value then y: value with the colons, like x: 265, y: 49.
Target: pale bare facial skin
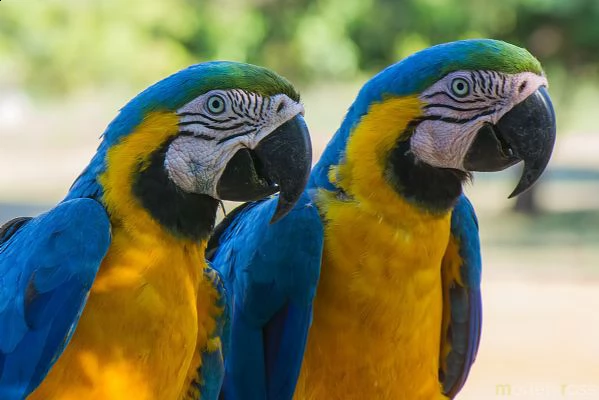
x: 214, y: 126
x: 458, y: 105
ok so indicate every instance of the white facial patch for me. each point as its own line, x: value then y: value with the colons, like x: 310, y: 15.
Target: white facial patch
x: 458, y: 105
x: 189, y: 163
x: 214, y: 126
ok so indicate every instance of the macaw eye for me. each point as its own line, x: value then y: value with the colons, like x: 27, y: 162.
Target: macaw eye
x: 460, y: 87
x: 216, y: 105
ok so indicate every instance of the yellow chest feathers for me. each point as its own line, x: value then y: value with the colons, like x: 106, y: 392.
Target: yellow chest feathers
x: 149, y: 312
x: 377, y: 319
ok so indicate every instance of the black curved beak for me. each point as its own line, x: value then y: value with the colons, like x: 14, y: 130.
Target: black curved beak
x: 280, y: 163
x: 525, y: 133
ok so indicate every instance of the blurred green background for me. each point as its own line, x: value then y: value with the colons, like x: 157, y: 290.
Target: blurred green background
x: 66, y: 66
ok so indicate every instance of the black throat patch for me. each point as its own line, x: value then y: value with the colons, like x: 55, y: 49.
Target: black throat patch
x: 186, y: 215
x: 433, y: 189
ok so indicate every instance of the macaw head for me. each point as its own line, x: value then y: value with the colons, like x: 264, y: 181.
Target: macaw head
x: 214, y: 131
x: 425, y: 123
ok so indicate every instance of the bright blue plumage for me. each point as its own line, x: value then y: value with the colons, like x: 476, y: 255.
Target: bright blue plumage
x: 271, y: 273
x: 47, y: 267
x: 465, y: 301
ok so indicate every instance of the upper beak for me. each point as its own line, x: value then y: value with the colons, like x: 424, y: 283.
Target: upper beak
x: 525, y: 133
x: 280, y: 162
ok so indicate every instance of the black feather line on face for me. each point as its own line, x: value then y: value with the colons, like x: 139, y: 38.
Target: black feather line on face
x: 186, y: 215
x: 474, y: 99
x: 456, y: 120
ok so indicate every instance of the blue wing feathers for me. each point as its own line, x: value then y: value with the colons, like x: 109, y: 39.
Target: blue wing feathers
x: 271, y: 273
x: 464, y: 226
x: 465, y: 301
x: 282, y: 335
x: 47, y: 266
x: 245, y: 366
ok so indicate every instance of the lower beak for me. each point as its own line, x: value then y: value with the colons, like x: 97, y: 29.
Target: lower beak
x: 525, y: 133
x: 280, y: 163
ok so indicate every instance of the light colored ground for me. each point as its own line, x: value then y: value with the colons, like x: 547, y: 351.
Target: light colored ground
x: 539, y: 341
x: 541, y: 276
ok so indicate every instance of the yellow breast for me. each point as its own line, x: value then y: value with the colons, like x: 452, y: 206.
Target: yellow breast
x: 378, y: 312
x: 139, y: 330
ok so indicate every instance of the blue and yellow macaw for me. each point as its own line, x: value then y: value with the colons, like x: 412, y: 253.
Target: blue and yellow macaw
x: 108, y: 295
x: 397, y: 312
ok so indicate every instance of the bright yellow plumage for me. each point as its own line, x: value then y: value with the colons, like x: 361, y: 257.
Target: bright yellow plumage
x: 151, y: 309
x: 376, y: 332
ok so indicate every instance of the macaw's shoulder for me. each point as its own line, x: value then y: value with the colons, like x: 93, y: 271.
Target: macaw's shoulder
x: 462, y: 267
x: 47, y: 266
x: 246, y: 236
x: 464, y: 228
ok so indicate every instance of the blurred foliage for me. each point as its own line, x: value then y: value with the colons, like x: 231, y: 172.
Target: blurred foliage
x: 56, y: 46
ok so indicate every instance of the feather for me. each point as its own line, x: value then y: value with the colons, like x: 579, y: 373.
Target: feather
x: 271, y: 280
x: 47, y: 266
